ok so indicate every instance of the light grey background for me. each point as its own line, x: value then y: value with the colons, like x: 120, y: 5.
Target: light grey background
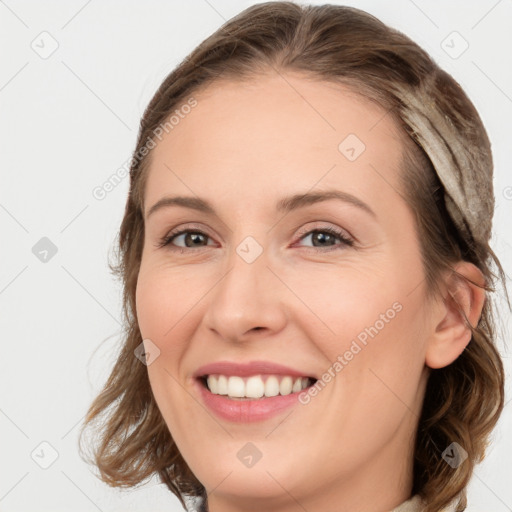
x: 69, y: 121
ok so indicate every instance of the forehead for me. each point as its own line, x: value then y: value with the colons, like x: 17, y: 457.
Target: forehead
x: 263, y: 133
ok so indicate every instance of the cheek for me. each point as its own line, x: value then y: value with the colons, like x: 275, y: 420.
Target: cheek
x: 162, y: 318
x: 380, y: 383
x: 168, y: 305
x: 162, y: 300
x: 375, y: 324
x: 337, y: 305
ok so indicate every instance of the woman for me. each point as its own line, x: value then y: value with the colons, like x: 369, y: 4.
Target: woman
x: 306, y: 267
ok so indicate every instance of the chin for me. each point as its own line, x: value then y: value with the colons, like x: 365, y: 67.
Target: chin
x: 265, y: 479
x: 250, y: 484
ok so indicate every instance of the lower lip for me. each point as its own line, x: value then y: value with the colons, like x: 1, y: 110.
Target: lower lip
x: 246, y: 411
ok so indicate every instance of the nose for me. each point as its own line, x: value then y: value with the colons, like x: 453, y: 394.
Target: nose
x: 248, y: 298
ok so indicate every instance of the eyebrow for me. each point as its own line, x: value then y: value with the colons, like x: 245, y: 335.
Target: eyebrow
x: 284, y: 205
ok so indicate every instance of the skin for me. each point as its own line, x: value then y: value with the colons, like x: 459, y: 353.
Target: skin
x: 244, y: 147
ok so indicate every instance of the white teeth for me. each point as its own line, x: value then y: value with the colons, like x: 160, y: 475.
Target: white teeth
x: 236, y: 387
x: 222, y: 384
x: 255, y: 386
x: 272, y: 386
x: 213, y: 385
x: 285, y: 388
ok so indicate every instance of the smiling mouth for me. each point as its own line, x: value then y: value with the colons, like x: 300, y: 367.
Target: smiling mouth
x: 255, y: 387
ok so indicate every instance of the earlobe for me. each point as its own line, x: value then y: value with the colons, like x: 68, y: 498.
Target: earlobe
x: 460, y: 307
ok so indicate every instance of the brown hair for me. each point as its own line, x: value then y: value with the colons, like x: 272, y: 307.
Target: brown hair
x: 464, y: 400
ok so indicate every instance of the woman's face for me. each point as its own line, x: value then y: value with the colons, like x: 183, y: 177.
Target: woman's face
x: 331, y: 289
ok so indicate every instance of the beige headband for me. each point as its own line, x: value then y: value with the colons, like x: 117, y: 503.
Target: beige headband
x: 465, y: 172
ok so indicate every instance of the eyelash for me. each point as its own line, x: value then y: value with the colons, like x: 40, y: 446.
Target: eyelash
x: 166, y: 240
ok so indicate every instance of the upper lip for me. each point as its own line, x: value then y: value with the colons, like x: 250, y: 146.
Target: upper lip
x: 247, y: 369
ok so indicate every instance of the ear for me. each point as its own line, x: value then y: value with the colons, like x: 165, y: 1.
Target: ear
x: 462, y: 302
